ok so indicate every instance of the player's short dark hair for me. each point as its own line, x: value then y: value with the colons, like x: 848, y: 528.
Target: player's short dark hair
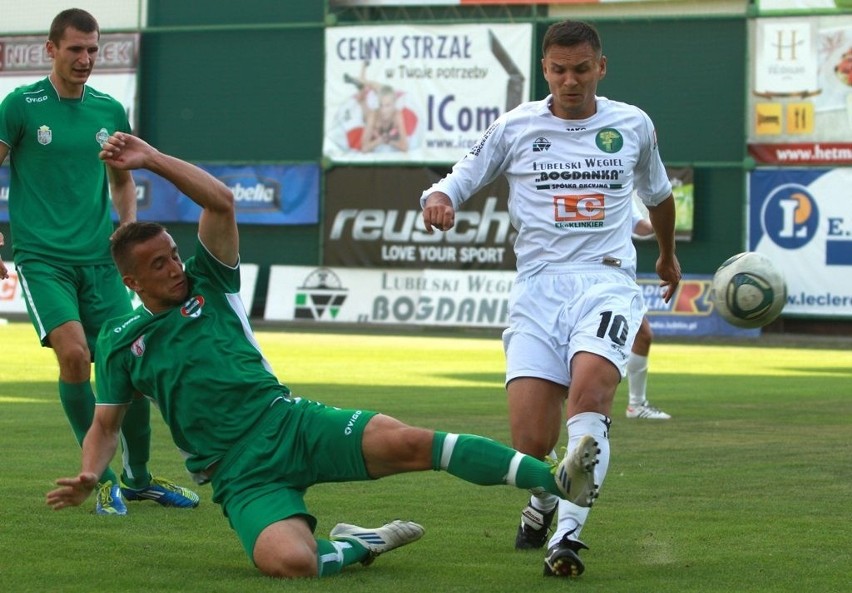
x: 571, y: 33
x: 129, y: 236
x: 76, y: 18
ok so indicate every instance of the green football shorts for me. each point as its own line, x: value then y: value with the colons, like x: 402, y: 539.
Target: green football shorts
x: 297, y: 443
x: 56, y: 294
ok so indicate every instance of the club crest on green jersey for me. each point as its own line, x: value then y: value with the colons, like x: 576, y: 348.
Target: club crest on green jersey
x: 192, y: 307
x: 138, y: 346
x: 44, y: 135
x: 101, y: 137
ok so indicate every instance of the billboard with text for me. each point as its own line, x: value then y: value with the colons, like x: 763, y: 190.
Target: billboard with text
x: 802, y: 220
x: 476, y: 299
x: 372, y: 218
x: 420, y: 93
x: 800, y: 104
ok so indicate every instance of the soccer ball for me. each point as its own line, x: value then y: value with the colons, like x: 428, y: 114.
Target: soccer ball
x: 748, y: 290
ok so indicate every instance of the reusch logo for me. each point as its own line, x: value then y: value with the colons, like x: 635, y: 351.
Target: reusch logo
x: 385, y: 225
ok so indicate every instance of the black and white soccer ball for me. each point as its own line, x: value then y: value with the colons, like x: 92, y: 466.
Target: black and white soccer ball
x: 749, y: 290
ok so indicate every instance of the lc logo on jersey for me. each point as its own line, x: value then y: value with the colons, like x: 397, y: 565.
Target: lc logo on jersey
x: 568, y: 209
x: 192, y: 307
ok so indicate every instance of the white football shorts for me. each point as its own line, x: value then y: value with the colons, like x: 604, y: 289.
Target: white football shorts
x: 556, y: 313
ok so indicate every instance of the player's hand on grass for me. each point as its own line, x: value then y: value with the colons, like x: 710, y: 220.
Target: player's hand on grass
x: 73, y: 492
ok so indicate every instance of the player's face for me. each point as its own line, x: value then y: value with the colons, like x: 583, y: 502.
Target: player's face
x: 73, y: 59
x: 158, y: 277
x: 572, y: 75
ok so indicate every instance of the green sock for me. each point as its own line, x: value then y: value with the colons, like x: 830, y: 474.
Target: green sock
x: 136, y: 444
x: 486, y: 462
x: 78, y: 402
x: 333, y: 556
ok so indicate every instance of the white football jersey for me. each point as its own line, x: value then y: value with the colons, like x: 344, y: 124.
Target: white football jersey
x: 570, y: 181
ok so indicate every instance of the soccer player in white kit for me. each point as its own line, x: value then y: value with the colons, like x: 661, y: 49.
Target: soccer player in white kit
x: 572, y: 161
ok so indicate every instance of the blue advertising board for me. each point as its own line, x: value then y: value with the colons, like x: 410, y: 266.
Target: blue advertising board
x: 264, y: 194
x: 802, y: 220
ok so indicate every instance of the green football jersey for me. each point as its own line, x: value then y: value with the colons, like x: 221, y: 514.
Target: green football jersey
x: 200, y: 363
x: 59, y: 205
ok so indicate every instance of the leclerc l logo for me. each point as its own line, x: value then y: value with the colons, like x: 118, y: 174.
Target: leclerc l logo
x: 578, y: 208
x: 790, y: 216
x: 192, y: 307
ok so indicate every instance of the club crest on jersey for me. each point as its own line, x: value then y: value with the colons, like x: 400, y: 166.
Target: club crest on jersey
x: 101, y: 137
x: 138, y: 346
x: 609, y: 140
x: 540, y: 144
x: 44, y: 135
x: 192, y: 307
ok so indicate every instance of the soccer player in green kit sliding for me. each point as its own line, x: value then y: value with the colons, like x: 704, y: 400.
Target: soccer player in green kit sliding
x: 189, y: 347
x: 59, y: 213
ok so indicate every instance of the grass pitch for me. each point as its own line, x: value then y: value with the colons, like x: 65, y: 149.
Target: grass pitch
x: 748, y: 487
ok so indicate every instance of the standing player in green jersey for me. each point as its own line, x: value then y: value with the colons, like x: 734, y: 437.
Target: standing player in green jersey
x: 190, y: 348
x: 59, y: 212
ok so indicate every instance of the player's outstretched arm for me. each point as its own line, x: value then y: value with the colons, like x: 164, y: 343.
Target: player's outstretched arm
x: 217, y: 226
x: 122, y: 188
x: 99, y: 448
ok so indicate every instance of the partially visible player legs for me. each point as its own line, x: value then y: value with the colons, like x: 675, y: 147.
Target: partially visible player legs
x: 68, y: 341
x: 637, y: 377
x: 78, y: 402
x: 136, y: 444
x: 536, y: 518
x: 535, y: 413
x: 562, y: 554
x: 137, y: 483
x: 485, y: 462
x: 288, y: 549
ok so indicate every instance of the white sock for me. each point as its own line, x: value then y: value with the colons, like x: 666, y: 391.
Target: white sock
x: 571, y: 516
x: 637, y: 379
x: 544, y: 502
